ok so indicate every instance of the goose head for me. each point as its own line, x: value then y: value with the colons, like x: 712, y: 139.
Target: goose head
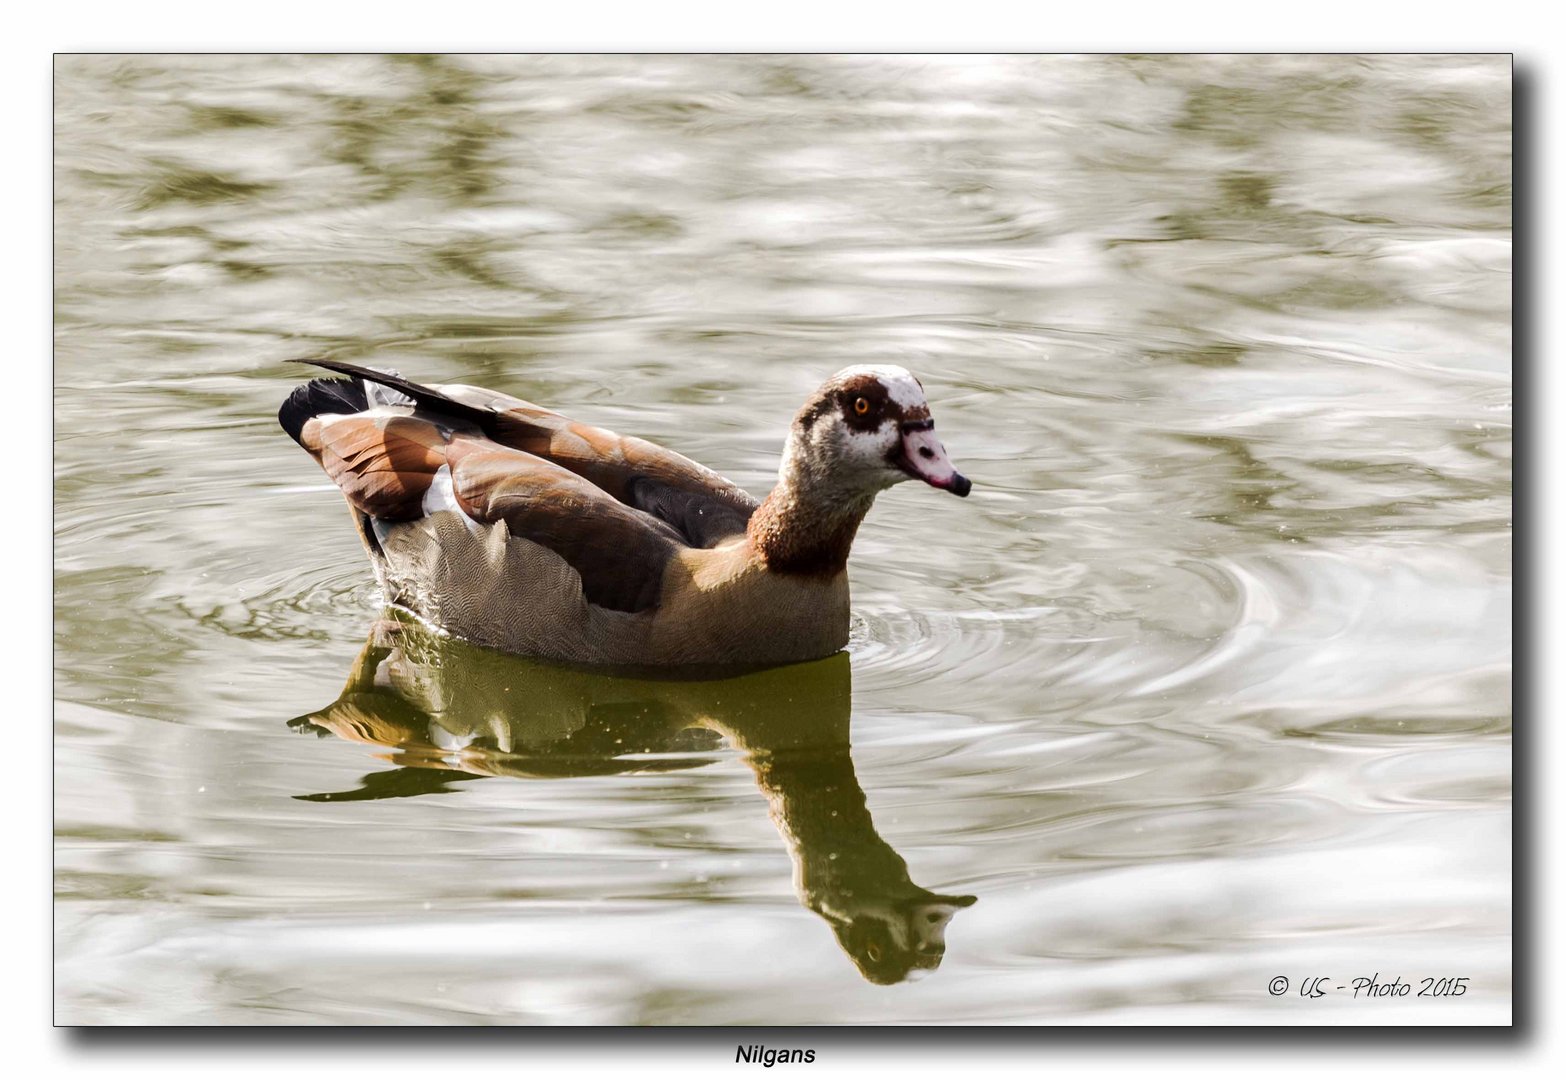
x: 867, y: 428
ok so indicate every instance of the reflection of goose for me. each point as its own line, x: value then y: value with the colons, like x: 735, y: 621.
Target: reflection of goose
x: 441, y: 708
x: 514, y: 527
x: 845, y: 872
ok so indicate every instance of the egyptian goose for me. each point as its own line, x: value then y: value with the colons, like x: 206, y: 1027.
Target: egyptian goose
x: 516, y: 528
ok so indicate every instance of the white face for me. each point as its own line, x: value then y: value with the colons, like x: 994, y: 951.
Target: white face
x: 867, y: 428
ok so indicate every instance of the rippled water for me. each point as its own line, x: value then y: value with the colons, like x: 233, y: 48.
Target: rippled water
x: 1208, y: 682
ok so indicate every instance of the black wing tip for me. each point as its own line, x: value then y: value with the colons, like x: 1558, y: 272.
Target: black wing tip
x: 320, y: 396
x: 401, y: 391
x: 342, y: 367
x: 364, y: 388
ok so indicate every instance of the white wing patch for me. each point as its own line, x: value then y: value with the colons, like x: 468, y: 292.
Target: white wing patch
x: 441, y: 496
x: 380, y: 396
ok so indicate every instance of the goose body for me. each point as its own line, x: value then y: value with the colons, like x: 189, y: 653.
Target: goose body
x: 511, y: 526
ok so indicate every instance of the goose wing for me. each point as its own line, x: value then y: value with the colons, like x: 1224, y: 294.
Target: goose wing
x: 395, y: 467
x: 701, y: 506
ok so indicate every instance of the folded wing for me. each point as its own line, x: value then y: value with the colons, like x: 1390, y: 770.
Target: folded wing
x: 620, y: 552
x: 396, y: 467
x: 701, y: 506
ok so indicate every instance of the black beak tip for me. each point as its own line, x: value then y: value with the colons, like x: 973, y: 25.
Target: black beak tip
x: 961, y: 485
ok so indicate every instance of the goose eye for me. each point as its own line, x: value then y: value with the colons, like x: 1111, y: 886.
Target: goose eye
x: 861, y: 406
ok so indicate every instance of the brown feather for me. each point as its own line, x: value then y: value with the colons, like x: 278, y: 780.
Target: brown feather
x: 702, y: 506
x: 620, y: 553
x: 383, y: 463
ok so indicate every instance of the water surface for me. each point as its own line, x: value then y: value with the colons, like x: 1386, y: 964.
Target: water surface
x: 1208, y: 682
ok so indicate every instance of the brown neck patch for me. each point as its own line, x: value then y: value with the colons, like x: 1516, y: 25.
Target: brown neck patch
x: 793, y: 537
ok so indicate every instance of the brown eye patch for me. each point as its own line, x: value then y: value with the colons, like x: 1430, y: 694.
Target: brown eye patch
x: 864, y: 403
x: 844, y: 398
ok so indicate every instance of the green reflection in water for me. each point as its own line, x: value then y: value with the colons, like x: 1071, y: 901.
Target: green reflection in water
x: 449, y: 711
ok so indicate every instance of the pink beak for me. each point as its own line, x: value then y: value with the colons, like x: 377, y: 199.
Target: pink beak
x: 925, y: 458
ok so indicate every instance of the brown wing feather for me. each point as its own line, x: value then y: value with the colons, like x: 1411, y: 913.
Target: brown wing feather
x: 702, y: 506
x: 697, y: 503
x: 620, y: 552
x: 383, y: 463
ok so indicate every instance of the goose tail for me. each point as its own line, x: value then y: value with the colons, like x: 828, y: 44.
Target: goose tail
x: 372, y: 388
